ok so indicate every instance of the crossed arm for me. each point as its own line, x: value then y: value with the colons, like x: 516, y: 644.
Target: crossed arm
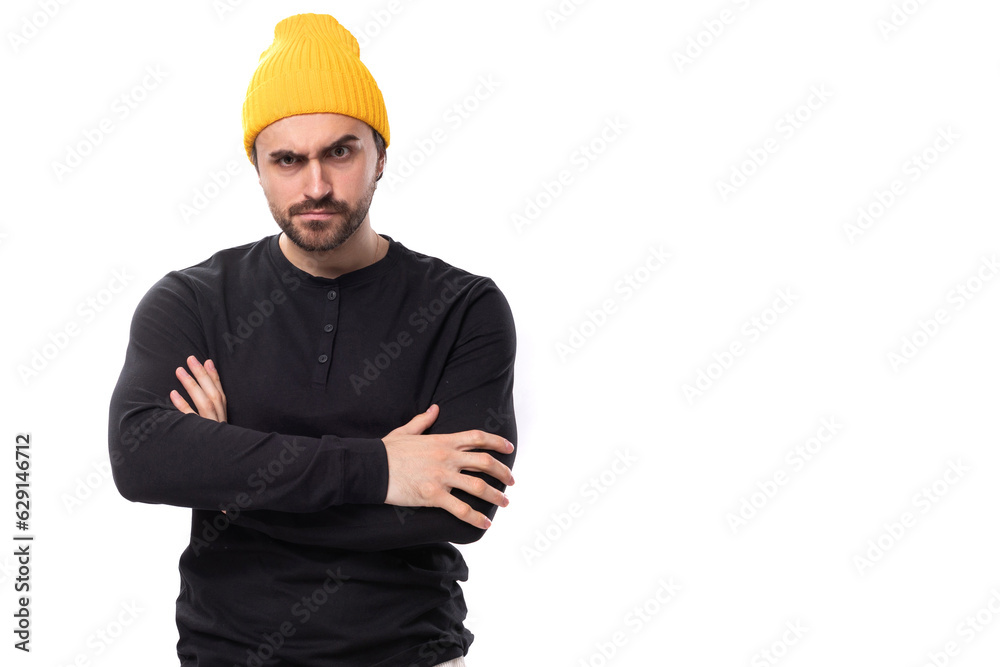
x: 423, y: 469
x: 437, y: 478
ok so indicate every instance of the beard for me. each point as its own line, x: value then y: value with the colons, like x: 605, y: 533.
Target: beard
x: 322, y: 235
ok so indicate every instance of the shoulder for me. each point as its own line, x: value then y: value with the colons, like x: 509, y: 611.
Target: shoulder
x: 235, y: 260
x: 205, y: 280
x: 435, y: 275
x: 477, y: 299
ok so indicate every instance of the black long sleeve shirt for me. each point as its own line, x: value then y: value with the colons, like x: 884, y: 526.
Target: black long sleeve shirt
x: 308, y: 566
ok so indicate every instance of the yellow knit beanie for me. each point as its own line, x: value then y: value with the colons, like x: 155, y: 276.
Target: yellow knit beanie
x: 313, y: 66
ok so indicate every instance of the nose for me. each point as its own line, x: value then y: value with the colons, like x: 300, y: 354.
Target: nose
x: 317, y: 185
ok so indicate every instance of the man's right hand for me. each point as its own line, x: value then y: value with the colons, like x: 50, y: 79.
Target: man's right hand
x: 423, y: 469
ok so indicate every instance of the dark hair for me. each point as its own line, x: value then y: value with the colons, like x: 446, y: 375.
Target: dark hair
x: 376, y: 135
x: 379, y: 148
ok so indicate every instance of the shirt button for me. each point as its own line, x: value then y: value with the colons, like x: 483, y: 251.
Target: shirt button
x: 331, y: 295
x: 323, y: 358
x: 328, y: 328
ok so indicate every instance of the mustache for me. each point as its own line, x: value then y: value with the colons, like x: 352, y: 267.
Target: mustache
x: 325, y: 205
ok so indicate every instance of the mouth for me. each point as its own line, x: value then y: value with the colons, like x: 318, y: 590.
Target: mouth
x: 317, y: 215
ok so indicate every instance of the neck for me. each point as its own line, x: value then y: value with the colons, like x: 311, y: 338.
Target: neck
x: 364, y: 248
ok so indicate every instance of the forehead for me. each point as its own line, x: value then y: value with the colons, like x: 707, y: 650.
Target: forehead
x: 305, y: 132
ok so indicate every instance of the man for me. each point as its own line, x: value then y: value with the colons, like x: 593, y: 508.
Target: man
x: 323, y: 509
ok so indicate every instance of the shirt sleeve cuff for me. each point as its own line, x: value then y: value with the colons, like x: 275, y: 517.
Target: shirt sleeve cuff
x: 364, y: 468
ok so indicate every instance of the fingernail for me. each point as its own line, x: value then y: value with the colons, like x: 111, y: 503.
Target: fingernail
x: 488, y: 523
x: 210, y: 365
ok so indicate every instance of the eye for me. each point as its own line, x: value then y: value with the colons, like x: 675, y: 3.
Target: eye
x: 340, y: 151
x: 286, y: 160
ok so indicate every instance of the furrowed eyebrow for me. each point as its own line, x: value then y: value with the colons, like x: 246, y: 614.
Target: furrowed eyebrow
x: 282, y: 153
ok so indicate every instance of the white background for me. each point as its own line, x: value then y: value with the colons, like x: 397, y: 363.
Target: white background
x: 548, y: 586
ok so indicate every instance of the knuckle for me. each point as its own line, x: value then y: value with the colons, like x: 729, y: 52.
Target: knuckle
x: 426, y: 489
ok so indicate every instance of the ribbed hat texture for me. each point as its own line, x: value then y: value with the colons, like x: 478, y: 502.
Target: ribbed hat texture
x: 313, y: 66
